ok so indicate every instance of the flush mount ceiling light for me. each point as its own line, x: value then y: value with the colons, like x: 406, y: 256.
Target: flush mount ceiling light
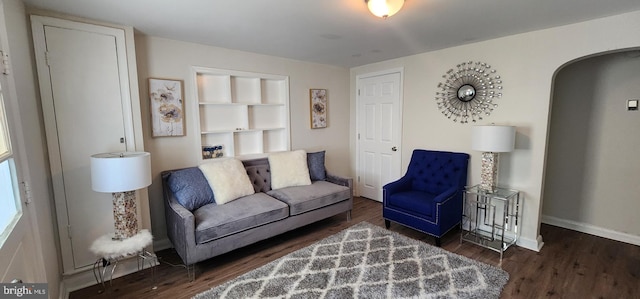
x: 384, y: 8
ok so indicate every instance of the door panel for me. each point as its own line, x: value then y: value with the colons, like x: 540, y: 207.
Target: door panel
x: 379, y: 127
x: 85, y: 85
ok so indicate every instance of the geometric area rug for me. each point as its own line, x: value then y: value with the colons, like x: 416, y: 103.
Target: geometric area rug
x: 367, y: 261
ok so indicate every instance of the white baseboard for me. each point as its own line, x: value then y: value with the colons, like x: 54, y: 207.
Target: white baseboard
x: 592, y: 230
x: 162, y: 244
x: 531, y: 244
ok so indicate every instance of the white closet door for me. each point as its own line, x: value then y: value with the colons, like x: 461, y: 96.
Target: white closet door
x: 379, y: 132
x: 83, y: 105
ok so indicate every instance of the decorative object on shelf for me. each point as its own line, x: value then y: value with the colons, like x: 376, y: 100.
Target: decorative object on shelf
x: 384, y: 8
x: 491, y: 140
x: 318, y: 108
x: 122, y: 174
x: 468, y: 92
x: 212, y: 151
x: 166, y: 98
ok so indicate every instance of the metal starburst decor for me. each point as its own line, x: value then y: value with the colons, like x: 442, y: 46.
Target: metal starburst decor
x: 469, y: 91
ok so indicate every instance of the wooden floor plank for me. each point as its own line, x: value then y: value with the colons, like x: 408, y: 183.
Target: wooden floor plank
x: 570, y: 265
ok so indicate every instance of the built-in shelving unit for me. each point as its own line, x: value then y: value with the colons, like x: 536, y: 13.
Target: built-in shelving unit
x: 247, y: 114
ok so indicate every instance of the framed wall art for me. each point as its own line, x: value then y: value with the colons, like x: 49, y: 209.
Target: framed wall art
x: 318, y: 108
x: 166, y: 98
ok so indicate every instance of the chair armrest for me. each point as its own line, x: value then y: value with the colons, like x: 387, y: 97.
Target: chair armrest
x: 402, y: 184
x: 445, y: 195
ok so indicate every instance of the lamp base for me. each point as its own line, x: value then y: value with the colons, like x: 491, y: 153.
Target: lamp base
x: 489, y: 172
x: 125, y: 214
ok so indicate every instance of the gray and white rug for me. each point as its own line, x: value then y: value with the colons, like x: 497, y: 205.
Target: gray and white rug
x: 367, y: 261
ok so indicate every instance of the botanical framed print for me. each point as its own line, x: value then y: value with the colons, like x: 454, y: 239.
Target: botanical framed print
x: 318, y: 108
x: 166, y: 98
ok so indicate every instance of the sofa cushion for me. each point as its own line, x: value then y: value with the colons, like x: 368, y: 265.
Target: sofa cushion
x: 190, y: 188
x: 315, y: 161
x: 228, y: 179
x: 302, y: 199
x: 289, y: 169
x: 216, y: 221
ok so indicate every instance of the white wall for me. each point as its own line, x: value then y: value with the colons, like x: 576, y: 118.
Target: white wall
x: 20, y: 46
x: 527, y: 63
x: 593, y: 166
x: 163, y: 58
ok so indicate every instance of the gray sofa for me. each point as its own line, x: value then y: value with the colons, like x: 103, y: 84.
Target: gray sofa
x: 213, y: 229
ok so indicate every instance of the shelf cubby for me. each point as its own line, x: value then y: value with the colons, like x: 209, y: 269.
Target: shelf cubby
x: 266, y: 116
x: 214, y: 88
x: 245, y: 113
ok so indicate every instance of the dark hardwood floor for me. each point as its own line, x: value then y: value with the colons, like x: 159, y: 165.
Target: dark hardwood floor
x: 570, y: 265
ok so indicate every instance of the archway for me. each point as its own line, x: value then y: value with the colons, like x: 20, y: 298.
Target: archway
x: 591, y: 170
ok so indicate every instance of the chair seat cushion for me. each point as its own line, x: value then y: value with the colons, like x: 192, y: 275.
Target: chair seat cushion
x: 216, y: 221
x: 319, y: 194
x: 413, y: 202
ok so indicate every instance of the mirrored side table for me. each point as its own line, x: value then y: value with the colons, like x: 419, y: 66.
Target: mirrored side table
x: 491, y: 220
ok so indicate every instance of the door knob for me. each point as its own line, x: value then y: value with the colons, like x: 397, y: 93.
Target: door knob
x: 395, y: 149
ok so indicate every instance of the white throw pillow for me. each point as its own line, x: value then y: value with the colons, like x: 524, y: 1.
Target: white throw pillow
x: 289, y: 169
x: 228, y: 179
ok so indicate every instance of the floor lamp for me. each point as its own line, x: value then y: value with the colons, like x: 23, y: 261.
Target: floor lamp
x: 122, y: 174
x: 491, y: 140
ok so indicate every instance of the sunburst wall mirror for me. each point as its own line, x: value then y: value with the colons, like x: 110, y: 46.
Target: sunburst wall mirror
x: 468, y: 92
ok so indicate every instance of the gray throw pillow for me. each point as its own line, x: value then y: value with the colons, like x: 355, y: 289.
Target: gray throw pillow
x: 190, y: 188
x: 315, y: 161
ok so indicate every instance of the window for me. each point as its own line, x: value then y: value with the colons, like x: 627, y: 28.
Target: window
x: 9, y: 196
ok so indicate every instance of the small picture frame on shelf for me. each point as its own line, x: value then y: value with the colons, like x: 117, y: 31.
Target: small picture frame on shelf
x: 318, y: 98
x: 212, y: 151
x: 166, y: 101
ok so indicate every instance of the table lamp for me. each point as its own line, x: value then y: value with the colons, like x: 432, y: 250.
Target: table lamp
x: 122, y: 174
x: 491, y: 140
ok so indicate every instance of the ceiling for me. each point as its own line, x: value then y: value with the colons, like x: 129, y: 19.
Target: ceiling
x: 336, y: 32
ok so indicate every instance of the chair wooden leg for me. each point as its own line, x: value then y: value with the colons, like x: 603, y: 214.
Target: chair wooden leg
x: 387, y: 223
x: 438, y: 242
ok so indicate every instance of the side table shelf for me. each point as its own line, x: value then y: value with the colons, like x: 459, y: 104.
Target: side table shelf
x: 491, y: 220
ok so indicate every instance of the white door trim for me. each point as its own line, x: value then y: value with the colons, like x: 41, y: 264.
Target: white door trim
x: 27, y: 228
x: 38, y: 24
x: 399, y: 122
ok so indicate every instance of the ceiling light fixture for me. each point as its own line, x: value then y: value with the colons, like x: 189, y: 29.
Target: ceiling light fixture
x: 384, y: 8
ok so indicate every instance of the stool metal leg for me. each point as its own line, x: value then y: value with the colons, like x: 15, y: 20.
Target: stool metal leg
x: 99, y: 276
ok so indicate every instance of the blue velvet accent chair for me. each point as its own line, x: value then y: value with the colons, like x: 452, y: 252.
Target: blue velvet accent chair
x: 428, y: 198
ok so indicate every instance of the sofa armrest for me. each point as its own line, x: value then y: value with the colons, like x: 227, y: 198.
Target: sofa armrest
x: 180, y: 224
x: 342, y: 181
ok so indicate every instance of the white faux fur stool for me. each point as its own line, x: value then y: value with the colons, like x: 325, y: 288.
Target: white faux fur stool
x: 110, y: 251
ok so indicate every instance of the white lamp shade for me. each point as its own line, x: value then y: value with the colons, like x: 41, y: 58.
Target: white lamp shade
x: 120, y: 172
x: 384, y: 8
x: 497, y: 139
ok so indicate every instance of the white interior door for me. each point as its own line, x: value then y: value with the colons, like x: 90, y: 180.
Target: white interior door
x: 81, y: 78
x: 20, y: 256
x: 379, y: 132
